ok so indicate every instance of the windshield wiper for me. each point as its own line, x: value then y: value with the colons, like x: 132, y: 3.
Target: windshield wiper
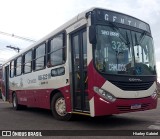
x: 142, y: 37
x: 121, y: 35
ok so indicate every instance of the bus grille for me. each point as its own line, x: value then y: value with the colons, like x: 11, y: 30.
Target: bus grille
x: 133, y: 86
x: 128, y: 108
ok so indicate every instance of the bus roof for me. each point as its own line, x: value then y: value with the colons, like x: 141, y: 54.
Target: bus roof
x: 59, y: 29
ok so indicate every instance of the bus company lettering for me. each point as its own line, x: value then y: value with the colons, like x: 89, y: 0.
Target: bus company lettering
x: 31, y: 81
x: 122, y: 19
x: 117, y: 67
x: 109, y: 33
x: 44, y: 76
x: 135, y: 80
x: 23, y: 99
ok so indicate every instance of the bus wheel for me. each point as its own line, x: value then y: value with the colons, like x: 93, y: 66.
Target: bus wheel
x: 15, y: 104
x: 58, y: 107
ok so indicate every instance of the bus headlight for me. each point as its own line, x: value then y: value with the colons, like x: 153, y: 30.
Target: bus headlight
x: 154, y: 95
x: 106, y: 95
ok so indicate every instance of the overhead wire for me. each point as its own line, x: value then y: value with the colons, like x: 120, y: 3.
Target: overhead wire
x: 16, y: 36
x: 4, y: 49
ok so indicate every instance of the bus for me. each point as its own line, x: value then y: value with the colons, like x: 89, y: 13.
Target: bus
x: 0, y: 81
x: 99, y: 63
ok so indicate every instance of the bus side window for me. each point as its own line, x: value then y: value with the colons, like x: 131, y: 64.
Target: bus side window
x: 12, y: 69
x: 28, y: 62
x: 40, y: 52
x: 56, y: 54
x: 18, y: 67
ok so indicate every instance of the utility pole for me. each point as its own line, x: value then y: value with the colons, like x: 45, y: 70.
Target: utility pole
x: 14, y: 48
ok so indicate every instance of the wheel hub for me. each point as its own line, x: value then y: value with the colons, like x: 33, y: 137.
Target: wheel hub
x: 61, y: 107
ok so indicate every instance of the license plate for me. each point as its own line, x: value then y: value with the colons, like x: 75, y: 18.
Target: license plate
x: 136, y: 106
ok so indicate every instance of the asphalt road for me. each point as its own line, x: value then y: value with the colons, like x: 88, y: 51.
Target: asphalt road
x: 39, y: 119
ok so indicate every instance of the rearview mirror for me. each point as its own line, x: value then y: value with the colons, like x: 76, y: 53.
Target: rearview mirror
x: 92, y: 35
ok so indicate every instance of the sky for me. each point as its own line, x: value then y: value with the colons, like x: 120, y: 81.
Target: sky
x: 34, y: 19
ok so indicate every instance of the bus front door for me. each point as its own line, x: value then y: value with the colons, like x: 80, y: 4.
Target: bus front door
x: 79, y: 71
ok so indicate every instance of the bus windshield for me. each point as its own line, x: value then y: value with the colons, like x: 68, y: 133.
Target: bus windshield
x: 122, y: 51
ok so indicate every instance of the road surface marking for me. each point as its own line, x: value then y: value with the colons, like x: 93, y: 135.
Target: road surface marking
x: 156, y: 127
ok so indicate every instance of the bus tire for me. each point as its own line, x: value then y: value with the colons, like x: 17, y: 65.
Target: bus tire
x: 15, y: 104
x: 58, y: 108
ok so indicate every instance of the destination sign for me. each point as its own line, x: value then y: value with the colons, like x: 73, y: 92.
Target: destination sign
x: 111, y: 16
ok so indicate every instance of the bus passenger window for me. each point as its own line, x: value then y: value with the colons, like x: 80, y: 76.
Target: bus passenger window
x: 12, y: 69
x: 18, y: 66
x: 28, y: 62
x: 57, y: 50
x: 40, y: 57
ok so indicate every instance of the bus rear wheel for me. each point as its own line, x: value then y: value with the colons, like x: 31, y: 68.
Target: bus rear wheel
x: 15, y: 104
x: 58, y: 108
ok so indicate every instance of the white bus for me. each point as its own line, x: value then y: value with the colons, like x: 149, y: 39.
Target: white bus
x: 101, y: 62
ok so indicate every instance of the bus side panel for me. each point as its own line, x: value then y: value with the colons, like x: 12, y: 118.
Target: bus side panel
x: 32, y: 98
x: 10, y: 96
x: 26, y: 98
x: 94, y: 79
x: 67, y: 95
x: 0, y: 88
x: 40, y: 98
